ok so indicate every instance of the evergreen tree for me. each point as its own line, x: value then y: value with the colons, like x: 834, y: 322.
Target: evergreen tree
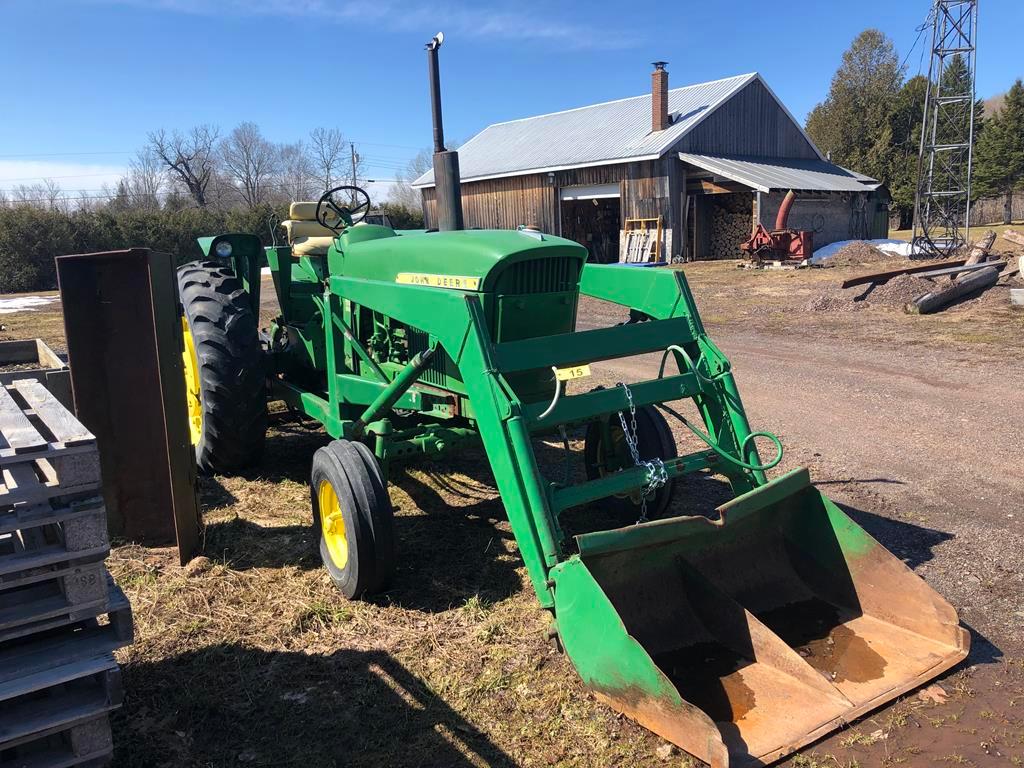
x: 905, y: 124
x: 999, y: 160
x: 853, y: 123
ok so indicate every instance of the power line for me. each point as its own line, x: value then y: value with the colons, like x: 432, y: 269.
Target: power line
x: 920, y: 31
x: 72, y: 195
x: 132, y: 152
x: 69, y: 154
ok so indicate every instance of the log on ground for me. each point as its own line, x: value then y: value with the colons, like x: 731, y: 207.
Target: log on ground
x: 979, y: 251
x: 966, y: 284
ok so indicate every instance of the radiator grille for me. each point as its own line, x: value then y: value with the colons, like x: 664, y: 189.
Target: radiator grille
x: 435, y: 370
x: 540, y: 276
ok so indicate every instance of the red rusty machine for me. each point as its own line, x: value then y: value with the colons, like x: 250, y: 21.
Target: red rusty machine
x: 781, y: 243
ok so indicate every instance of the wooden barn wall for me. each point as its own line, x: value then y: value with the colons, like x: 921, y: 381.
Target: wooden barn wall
x: 503, y: 203
x: 647, y: 189
x: 750, y: 123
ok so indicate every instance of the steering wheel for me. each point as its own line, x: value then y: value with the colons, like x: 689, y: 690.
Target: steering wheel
x: 335, y: 215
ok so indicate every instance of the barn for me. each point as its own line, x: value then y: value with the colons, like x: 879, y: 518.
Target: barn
x: 696, y: 166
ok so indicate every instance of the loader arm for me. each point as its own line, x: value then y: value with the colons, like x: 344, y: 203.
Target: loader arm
x: 506, y: 424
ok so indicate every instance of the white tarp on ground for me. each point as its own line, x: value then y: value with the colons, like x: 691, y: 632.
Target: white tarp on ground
x: 895, y: 247
x: 24, y: 304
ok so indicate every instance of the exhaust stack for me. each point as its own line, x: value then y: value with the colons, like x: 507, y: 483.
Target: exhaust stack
x: 447, y: 186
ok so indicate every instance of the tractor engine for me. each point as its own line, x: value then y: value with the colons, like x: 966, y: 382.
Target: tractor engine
x: 527, y: 284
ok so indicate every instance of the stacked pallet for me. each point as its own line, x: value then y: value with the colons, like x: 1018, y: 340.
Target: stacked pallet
x: 61, y: 615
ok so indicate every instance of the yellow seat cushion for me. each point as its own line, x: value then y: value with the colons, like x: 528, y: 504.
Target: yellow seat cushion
x: 297, y: 229
x: 308, y: 238
x: 311, y: 246
x: 306, y: 211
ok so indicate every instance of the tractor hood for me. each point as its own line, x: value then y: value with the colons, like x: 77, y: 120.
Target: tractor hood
x: 475, y: 260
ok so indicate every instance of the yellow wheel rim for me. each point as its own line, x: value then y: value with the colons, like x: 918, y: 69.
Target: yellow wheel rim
x: 193, y: 391
x: 332, y: 524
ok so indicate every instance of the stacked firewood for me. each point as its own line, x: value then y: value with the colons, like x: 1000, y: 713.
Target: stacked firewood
x: 731, y: 223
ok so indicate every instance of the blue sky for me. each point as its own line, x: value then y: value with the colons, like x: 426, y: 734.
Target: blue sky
x: 86, y: 80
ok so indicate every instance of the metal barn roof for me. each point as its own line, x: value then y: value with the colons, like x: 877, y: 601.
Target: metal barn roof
x: 765, y: 176
x: 600, y: 134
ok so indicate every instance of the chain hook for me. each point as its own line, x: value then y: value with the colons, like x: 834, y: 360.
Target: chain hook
x: 657, y: 475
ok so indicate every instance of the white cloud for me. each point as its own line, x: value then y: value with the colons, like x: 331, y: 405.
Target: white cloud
x: 71, y: 177
x: 510, y: 21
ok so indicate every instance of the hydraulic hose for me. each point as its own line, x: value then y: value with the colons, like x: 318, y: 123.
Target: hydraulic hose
x: 689, y: 362
x: 726, y: 455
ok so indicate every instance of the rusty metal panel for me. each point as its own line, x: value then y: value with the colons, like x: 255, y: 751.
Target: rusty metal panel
x: 123, y: 328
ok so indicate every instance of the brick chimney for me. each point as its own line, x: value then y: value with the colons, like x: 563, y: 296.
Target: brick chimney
x: 659, y: 97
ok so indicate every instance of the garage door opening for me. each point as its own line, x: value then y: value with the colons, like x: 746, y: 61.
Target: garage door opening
x: 592, y: 216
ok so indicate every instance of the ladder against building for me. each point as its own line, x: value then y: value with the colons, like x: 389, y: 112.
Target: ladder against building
x: 643, y: 241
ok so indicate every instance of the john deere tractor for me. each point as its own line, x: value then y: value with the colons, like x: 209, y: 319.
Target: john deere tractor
x: 739, y: 635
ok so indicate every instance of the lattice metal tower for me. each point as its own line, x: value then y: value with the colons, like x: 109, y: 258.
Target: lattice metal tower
x: 942, y: 204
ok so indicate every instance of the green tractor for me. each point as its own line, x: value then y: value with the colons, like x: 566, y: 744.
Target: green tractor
x: 739, y: 636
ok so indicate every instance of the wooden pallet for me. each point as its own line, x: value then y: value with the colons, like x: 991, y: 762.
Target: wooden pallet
x: 40, y: 539
x: 54, y: 698
x: 45, y: 452
x: 87, y: 744
x: 67, y: 597
x: 60, y: 706
x: 49, y: 368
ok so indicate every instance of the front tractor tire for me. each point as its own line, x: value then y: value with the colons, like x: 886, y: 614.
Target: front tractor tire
x: 225, y: 385
x: 353, y: 521
x: 605, y: 451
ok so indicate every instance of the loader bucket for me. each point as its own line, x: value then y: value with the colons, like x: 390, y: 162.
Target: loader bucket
x: 744, y: 638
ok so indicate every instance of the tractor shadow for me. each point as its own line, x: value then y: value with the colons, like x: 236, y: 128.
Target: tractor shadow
x: 243, y: 544
x: 230, y: 705
x: 455, y: 542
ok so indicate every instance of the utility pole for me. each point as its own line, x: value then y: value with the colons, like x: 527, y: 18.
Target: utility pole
x: 942, y: 205
x: 355, y: 158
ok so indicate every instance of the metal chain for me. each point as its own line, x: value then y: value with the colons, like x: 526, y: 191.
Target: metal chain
x: 657, y: 475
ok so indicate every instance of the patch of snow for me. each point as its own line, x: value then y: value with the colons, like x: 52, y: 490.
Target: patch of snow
x: 895, y: 247
x: 24, y: 304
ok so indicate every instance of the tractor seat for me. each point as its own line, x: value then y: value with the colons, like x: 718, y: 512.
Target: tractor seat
x: 306, y: 235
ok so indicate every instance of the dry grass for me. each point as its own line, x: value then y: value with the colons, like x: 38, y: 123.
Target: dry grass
x: 249, y: 654
x: 1001, y: 244
x: 46, y: 323
x: 776, y: 301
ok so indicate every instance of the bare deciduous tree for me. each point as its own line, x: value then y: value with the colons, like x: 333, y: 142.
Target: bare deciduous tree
x: 145, y: 179
x: 47, y: 195
x: 402, y: 193
x: 189, y: 158
x: 295, y: 173
x: 329, y: 153
x: 250, y: 161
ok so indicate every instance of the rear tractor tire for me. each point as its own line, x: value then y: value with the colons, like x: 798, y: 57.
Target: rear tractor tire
x: 353, y: 522
x: 654, y: 441
x: 225, y: 384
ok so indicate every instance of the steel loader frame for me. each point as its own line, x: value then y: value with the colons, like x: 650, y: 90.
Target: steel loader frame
x: 505, y: 424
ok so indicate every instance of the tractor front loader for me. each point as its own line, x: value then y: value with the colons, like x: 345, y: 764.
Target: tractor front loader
x: 739, y: 636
